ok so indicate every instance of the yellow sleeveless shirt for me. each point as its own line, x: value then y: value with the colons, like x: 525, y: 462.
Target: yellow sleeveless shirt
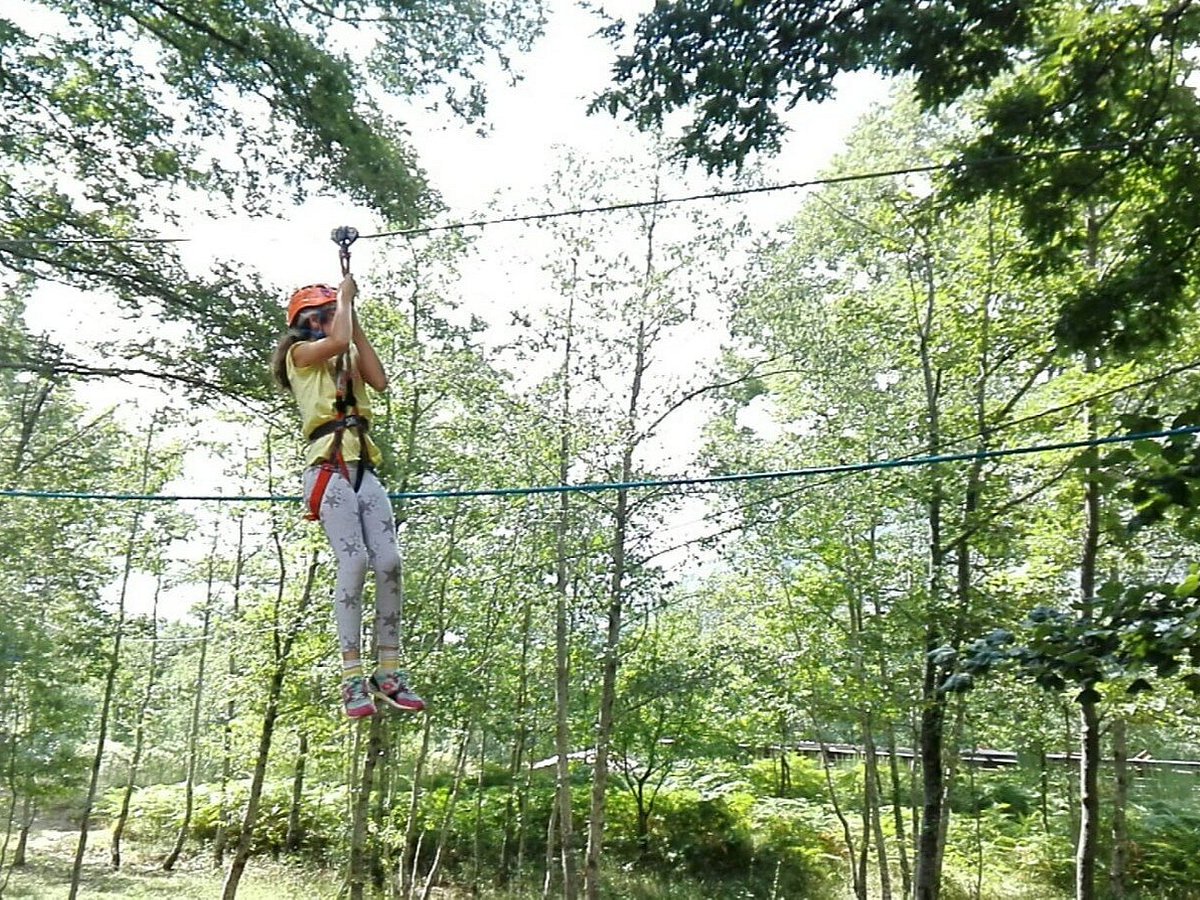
x: 315, y: 390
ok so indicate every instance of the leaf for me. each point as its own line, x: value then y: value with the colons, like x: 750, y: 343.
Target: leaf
x: 943, y: 655
x: 1188, y: 586
x: 958, y: 683
x: 1139, y: 686
x: 1088, y: 695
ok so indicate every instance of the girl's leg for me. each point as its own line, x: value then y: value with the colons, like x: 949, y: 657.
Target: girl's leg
x: 379, y: 532
x: 340, y: 520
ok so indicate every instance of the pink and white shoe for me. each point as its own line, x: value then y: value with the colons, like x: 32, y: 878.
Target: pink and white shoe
x: 356, y: 699
x: 391, y: 688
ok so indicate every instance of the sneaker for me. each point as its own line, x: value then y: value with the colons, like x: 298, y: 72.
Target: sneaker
x: 390, y: 687
x: 356, y: 699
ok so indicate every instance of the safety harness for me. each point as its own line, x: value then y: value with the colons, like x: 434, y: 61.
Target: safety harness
x: 345, y: 408
x: 345, y: 416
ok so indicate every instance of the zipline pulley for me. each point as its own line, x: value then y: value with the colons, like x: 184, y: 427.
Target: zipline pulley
x: 344, y: 236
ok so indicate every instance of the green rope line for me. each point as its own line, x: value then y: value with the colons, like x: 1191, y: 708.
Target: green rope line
x: 596, y: 487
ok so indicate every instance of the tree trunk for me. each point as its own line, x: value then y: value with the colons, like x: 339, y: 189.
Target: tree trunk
x: 952, y: 761
x: 222, y: 837
x: 139, y: 738
x: 189, y: 791
x: 444, y: 830
x: 551, y: 831
x: 27, y: 815
x: 784, y: 784
x: 616, y: 593
x: 110, y: 680
x: 1089, y: 801
x: 562, y: 632
x: 1089, y: 716
x: 562, y: 733
x: 860, y: 889
x: 9, y: 821
x: 608, y: 695
x: 383, y: 856
x: 1043, y: 788
x: 410, y: 859
x: 291, y: 842
x: 1070, y: 783
x: 362, y: 807
x: 927, y: 877
x: 872, y: 801
x: 282, y: 655
x: 898, y: 812
x: 1120, y: 833
x: 514, y: 803
x: 477, y: 825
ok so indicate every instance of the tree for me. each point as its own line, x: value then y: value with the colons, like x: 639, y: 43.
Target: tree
x: 965, y: 357
x: 670, y: 681
x: 149, y: 476
x: 734, y: 65
x: 131, y: 112
x: 1070, y: 103
x: 1129, y: 631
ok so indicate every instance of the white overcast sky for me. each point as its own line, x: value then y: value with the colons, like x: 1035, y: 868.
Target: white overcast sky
x: 531, y: 125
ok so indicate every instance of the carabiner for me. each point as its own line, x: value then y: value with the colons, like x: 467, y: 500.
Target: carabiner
x: 344, y: 236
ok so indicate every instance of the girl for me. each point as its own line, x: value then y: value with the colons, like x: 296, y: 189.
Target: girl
x: 326, y: 361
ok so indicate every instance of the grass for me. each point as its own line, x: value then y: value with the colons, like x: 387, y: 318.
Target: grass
x: 50, y: 856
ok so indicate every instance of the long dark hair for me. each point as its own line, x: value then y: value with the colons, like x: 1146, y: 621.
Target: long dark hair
x: 279, y: 357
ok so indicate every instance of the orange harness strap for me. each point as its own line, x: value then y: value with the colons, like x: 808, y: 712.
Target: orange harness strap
x: 318, y: 492
x: 335, y: 463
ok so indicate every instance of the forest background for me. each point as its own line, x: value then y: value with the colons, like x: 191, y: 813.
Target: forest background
x: 961, y: 374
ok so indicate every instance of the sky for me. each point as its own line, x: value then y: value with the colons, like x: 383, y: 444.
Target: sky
x: 531, y: 125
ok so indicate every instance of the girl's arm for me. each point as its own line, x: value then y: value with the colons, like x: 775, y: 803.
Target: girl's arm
x: 369, y: 366
x: 337, y: 336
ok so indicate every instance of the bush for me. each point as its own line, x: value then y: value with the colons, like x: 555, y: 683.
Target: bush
x: 727, y: 836
x: 1002, y: 790
x: 794, y: 846
x: 806, y: 778
x: 156, y: 812
x: 1164, y: 857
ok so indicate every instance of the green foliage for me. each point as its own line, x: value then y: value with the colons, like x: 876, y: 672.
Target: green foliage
x: 721, y: 837
x: 1020, y: 859
x: 1038, y: 79
x: 727, y: 835
x: 736, y: 65
x: 806, y: 779
x: 1165, y: 853
x: 209, y: 108
x: 1140, y: 629
x: 157, y: 810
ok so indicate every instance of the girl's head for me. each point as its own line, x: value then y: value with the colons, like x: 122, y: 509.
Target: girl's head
x: 309, y: 312
x: 308, y: 301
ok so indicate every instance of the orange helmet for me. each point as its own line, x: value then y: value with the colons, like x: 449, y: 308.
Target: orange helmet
x: 307, y: 297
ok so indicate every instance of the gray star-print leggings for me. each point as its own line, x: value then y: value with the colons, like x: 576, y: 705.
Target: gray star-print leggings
x: 362, y: 533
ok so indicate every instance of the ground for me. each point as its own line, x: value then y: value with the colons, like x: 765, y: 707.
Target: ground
x: 52, y: 852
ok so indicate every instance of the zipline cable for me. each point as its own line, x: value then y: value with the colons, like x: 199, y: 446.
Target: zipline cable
x: 596, y: 487
x: 516, y: 218
x: 727, y: 193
